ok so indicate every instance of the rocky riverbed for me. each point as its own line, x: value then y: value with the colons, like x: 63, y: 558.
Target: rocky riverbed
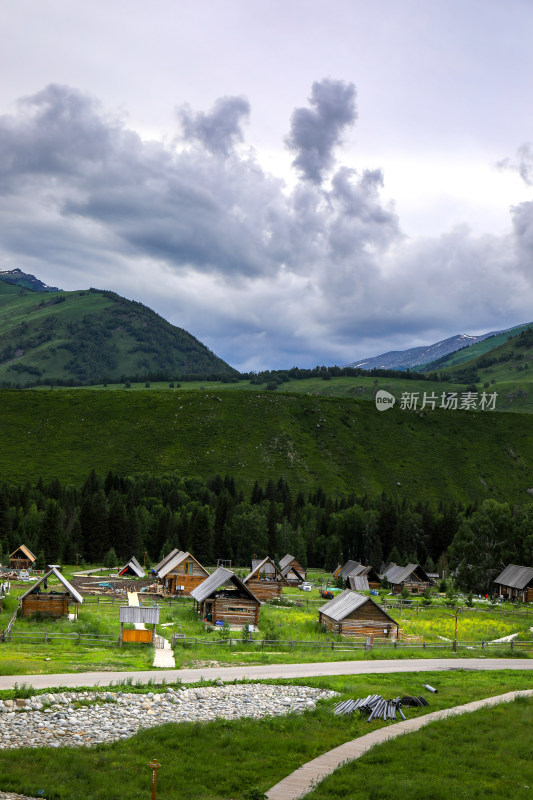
x: 81, y: 719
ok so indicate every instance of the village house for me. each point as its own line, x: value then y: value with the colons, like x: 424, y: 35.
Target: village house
x: 265, y: 580
x: 515, y: 582
x: 412, y: 577
x: 292, y: 570
x: 22, y: 558
x: 353, y: 614
x: 363, y: 576
x: 223, y: 597
x: 132, y: 568
x: 54, y: 603
x: 180, y: 573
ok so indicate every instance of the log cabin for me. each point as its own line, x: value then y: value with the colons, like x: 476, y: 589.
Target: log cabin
x: 53, y: 603
x: 352, y: 614
x: 515, y: 582
x: 181, y: 573
x: 223, y: 597
x: 412, y: 577
x: 292, y: 570
x: 265, y: 580
x: 372, y: 579
x: 22, y: 558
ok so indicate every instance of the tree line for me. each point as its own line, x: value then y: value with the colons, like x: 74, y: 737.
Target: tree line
x: 147, y: 516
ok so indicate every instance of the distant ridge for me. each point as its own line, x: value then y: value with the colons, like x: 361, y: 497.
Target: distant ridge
x: 426, y: 354
x: 19, y: 278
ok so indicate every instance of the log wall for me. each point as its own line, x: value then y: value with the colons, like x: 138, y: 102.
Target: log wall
x: 235, y: 611
x: 53, y: 605
x: 264, y: 589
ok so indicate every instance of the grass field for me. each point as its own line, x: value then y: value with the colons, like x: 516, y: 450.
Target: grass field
x: 242, y: 759
x: 341, y: 444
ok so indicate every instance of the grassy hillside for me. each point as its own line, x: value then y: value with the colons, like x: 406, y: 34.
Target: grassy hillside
x: 90, y: 336
x: 475, y: 350
x: 340, y: 443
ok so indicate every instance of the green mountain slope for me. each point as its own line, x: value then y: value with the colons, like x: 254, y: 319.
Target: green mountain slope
x: 91, y: 336
x: 475, y: 350
x: 342, y: 444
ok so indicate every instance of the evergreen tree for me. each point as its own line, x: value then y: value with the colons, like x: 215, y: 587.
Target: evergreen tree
x: 51, y: 532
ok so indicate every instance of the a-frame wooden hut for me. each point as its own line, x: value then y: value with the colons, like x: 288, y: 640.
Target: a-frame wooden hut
x: 22, y: 558
x: 181, y: 573
x: 223, y: 597
x: 412, y: 577
x: 265, y: 580
x: 292, y: 570
x: 132, y: 568
x: 352, y: 614
x: 53, y: 603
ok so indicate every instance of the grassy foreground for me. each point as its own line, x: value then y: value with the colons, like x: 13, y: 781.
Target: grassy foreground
x: 344, y: 445
x: 240, y: 759
x: 476, y: 756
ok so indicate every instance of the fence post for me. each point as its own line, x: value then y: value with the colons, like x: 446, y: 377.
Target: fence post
x: 512, y: 645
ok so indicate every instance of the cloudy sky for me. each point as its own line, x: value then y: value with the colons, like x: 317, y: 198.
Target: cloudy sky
x: 295, y: 182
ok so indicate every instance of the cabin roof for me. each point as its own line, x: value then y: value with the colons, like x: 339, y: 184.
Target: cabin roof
x: 345, y: 603
x: 147, y: 614
x: 396, y: 574
x: 348, y: 568
x: 165, y: 559
x: 27, y: 552
x: 515, y: 576
x: 68, y: 586
x: 175, y: 561
x: 134, y: 565
x: 215, y: 581
x: 359, y: 583
x: 285, y: 561
x: 257, y: 566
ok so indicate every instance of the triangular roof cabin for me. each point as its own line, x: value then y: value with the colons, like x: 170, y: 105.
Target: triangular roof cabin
x: 292, y: 570
x: 412, y: 577
x: 223, y: 597
x: 516, y: 581
x: 22, y: 558
x: 265, y: 579
x: 52, y: 603
x: 353, y: 614
x: 181, y: 573
x: 133, y: 568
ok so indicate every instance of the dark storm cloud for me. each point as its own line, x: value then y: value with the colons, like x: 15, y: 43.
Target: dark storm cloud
x: 316, y: 131
x: 220, y: 129
x: 204, y: 235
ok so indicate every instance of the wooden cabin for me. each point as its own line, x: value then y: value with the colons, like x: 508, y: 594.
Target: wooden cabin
x: 515, y: 582
x: 132, y: 568
x: 265, y: 580
x: 22, y: 558
x: 352, y: 614
x: 292, y: 570
x: 412, y: 577
x: 362, y: 571
x: 53, y: 603
x: 181, y: 573
x: 223, y: 597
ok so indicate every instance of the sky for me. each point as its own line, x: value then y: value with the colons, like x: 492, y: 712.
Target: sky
x: 296, y: 183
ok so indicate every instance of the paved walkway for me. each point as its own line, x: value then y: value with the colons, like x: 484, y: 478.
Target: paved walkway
x: 304, y: 779
x: 319, y: 669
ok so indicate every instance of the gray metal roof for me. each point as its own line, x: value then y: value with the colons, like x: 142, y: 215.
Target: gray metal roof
x: 147, y: 614
x: 285, y: 561
x: 396, y: 574
x: 349, y: 568
x: 75, y: 594
x: 359, y: 583
x: 134, y: 565
x: 215, y: 581
x: 177, y: 559
x: 166, y: 558
x: 515, y: 576
x: 345, y: 603
x: 257, y: 566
